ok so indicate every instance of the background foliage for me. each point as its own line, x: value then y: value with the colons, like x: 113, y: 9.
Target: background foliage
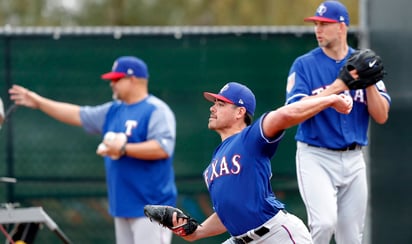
x: 160, y: 12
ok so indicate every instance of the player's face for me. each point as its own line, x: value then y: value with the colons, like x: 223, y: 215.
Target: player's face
x: 119, y: 88
x: 222, y: 116
x: 327, y: 34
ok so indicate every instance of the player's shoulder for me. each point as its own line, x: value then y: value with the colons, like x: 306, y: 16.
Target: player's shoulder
x: 159, y: 103
x: 312, y: 55
x: 315, y: 53
x: 115, y: 104
x: 156, y: 101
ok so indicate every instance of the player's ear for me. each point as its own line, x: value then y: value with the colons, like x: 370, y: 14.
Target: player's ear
x: 241, y: 111
x: 342, y: 27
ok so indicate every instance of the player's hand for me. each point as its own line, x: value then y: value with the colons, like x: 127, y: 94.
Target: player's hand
x: 108, y: 149
x: 340, y: 85
x: 354, y: 74
x: 343, y: 104
x: 24, y: 97
x: 101, y: 149
x: 111, y: 145
x: 178, y: 221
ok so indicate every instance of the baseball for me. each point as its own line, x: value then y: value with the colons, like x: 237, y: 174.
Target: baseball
x: 101, y: 148
x: 110, y: 136
x: 122, y: 137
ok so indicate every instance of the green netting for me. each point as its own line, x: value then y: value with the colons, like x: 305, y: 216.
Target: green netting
x: 56, y: 165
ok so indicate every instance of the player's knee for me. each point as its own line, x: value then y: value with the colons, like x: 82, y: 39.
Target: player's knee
x: 327, y: 226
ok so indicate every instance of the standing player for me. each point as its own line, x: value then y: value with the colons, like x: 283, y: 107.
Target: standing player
x: 139, y: 170
x: 238, y: 177
x: 329, y: 160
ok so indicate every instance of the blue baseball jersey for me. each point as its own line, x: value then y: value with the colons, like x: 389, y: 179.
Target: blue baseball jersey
x: 238, y: 179
x: 309, y: 75
x: 132, y: 183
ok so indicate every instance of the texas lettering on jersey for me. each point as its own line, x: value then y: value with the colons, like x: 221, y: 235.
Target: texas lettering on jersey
x: 357, y: 95
x: 222, y: 167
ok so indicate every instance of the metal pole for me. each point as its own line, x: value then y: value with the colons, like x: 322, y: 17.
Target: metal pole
x: 363, y: 24
x: 9, y: 132
x: 364, y: 42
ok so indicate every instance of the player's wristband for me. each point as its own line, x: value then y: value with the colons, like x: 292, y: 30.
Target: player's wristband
x: 123, y: 149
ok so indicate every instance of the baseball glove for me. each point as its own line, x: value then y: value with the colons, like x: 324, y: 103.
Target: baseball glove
x: 368, y: 66
x: 164, y: 214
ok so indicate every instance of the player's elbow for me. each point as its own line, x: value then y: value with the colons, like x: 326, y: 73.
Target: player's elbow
x: 287, y: 118
x: 382, y: 120
x: 164, y: 155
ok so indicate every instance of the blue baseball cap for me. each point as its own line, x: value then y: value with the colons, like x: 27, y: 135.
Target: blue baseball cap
x: 127, y: 66
x: 235, y: 93
x: 331, y: 12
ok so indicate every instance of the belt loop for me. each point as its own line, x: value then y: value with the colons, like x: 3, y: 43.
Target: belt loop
x: 261, y: 231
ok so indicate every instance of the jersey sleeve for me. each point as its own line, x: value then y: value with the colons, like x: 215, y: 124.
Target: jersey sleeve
x: 382, y: 90
x: 297, y: 85
x: 162, y: 127
x: 93, y: 117
x: 257, y: 142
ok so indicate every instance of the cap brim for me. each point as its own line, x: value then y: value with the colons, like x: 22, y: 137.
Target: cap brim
x: 212, y: 97
x: 321, y: 19
x: 113, y: 75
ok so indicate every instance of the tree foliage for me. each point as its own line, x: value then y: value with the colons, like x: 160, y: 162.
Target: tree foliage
x: 160, y: 12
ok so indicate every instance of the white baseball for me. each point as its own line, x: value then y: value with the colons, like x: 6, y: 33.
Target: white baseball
x: 122, y: 137
x: 102, y: 147
x: 110, y: 136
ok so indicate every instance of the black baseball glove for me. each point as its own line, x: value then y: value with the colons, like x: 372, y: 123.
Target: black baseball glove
x: 368, y: 66
x: 164, y: 214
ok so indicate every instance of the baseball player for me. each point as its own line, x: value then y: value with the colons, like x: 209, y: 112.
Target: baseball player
x: 238, y: 176
x: 329, y: 160
x: 139, y: 168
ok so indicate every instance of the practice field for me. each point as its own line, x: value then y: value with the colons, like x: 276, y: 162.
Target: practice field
x: 56, y: 166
